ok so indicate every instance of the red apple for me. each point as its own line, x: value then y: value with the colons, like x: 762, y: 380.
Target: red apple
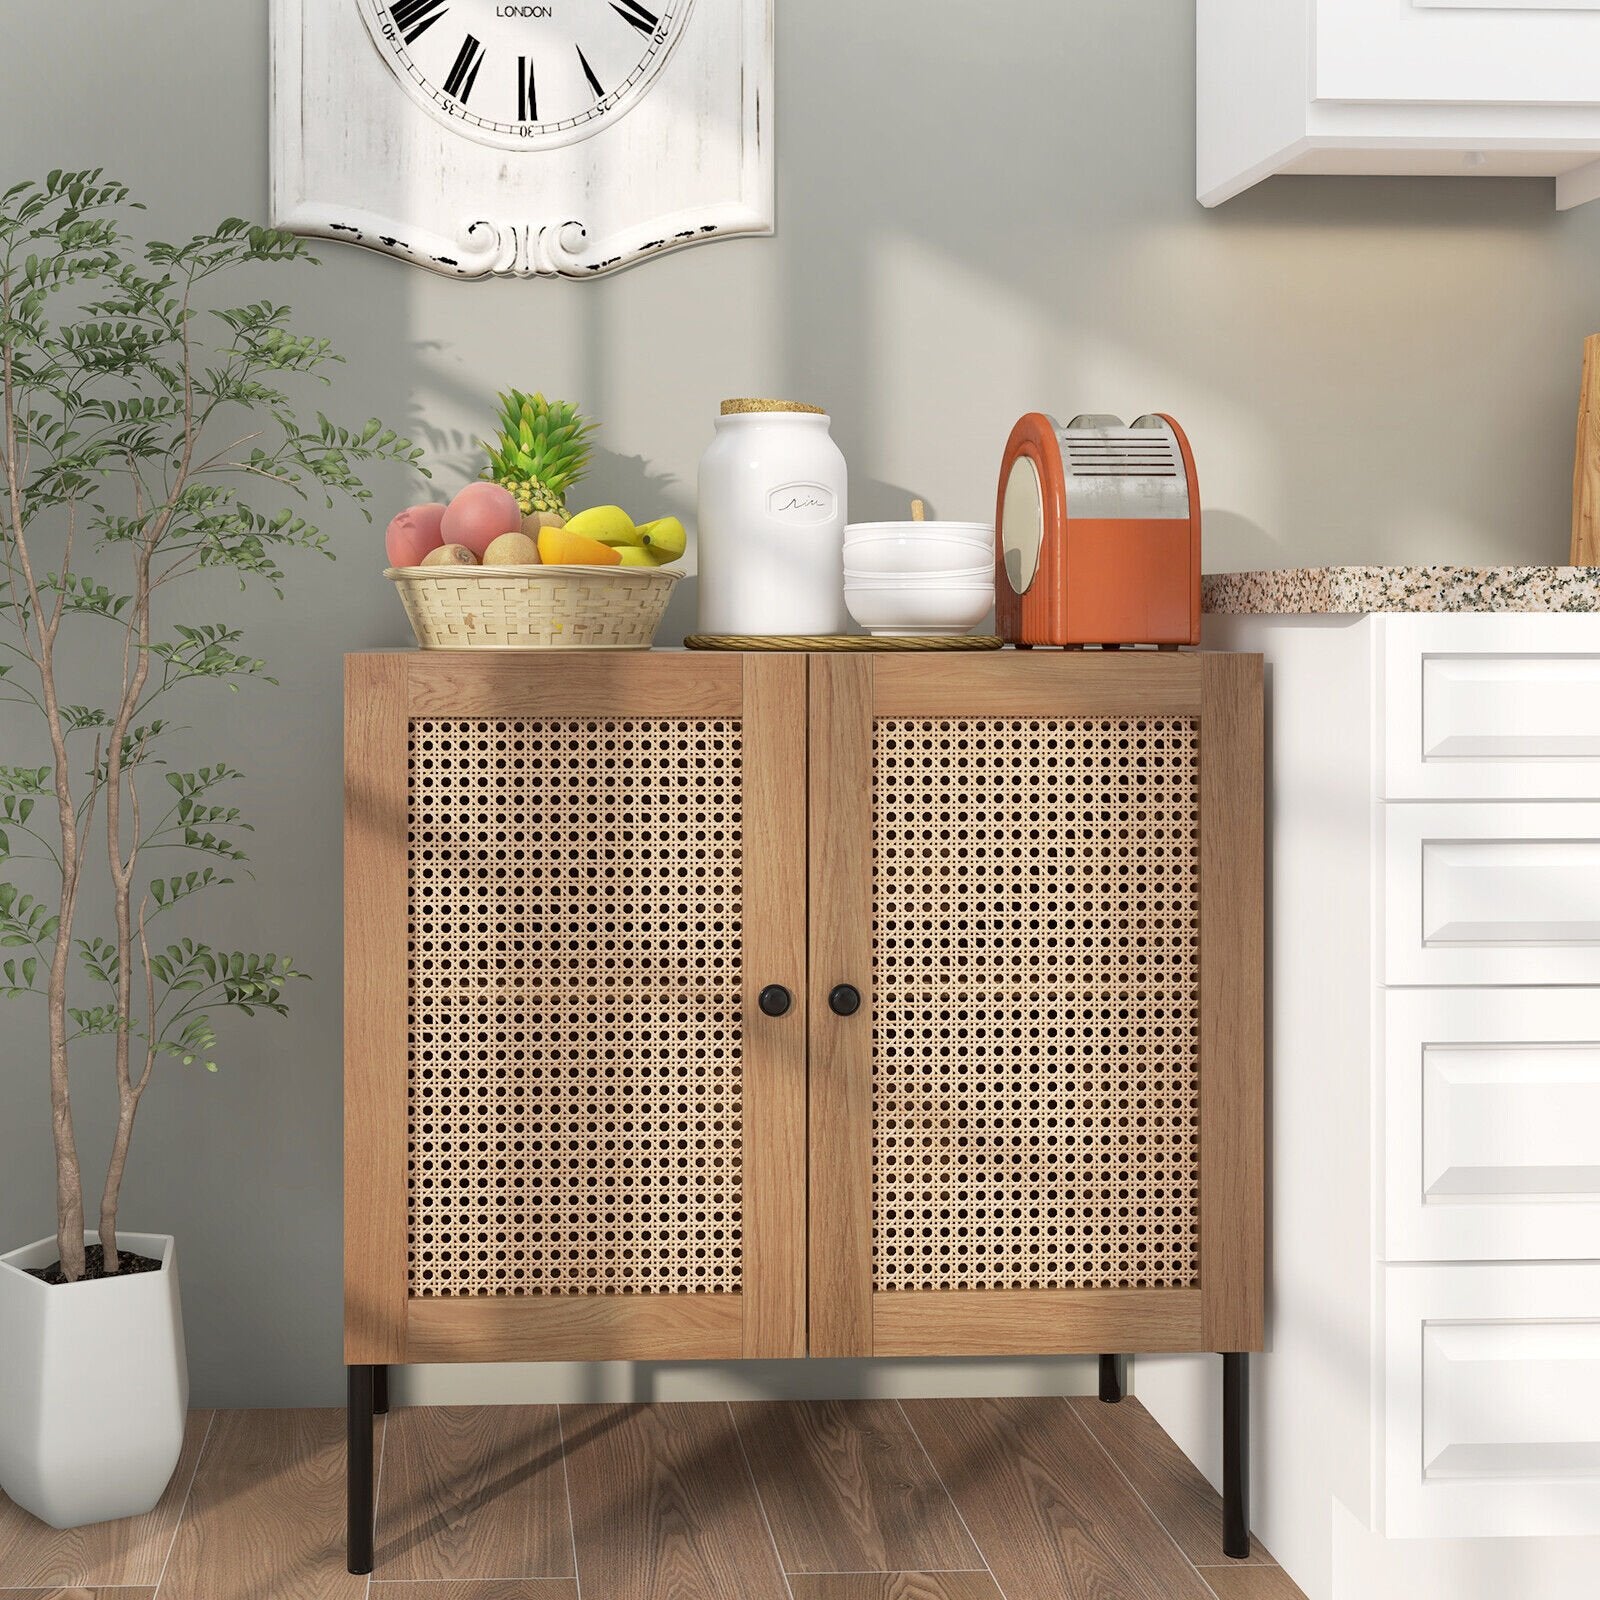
x: 479, y: 514
x: 413, y: 534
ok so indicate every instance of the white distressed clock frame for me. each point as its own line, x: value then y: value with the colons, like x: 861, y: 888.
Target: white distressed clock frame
x: 356, y: 159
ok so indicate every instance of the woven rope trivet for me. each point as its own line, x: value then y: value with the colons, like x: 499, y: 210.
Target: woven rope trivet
x: 838, y: 641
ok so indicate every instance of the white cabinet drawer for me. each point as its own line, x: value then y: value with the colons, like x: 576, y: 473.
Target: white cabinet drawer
x: 1491, y: 1400
x: 1491, y: 894
x: 1460, y: 51
x: 1491, y: 707
x: 1491, y: 1124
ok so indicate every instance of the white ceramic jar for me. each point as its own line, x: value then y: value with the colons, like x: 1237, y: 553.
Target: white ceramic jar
x: 771, y: 522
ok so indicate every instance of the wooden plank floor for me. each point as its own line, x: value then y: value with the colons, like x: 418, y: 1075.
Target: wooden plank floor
x: 830, y: 1500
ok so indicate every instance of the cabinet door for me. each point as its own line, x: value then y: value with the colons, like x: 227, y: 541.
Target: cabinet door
x: 1489, y: 52
x: 1491, y: 894
x: 1491, y: 1124
x: 1491, y: 706
x: 1041, y: 1130
x: 572, y: 1132
x: 1491, y: 1400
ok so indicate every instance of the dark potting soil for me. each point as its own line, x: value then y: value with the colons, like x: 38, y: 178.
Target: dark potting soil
x: 94, y: 1266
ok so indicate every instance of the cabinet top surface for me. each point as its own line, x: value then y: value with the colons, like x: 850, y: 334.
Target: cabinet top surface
x: 1356, y: 591
x: 934, y: 659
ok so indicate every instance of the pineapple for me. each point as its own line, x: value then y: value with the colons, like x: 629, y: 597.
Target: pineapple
x: 543, y: 450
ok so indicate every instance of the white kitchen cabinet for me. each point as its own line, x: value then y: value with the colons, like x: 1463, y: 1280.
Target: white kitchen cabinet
x: 1491, y: 1421
x: 1442, y: 87
x: 1432, y: 1373
x: 1491, y: 893
x: 1490, y: 707
x: 1491, y: 1119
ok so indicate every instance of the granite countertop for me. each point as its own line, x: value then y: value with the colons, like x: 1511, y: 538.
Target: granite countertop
x: 1358, y: 590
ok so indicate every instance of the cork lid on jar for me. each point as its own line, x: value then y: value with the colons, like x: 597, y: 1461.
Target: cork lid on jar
x: 744, y: 408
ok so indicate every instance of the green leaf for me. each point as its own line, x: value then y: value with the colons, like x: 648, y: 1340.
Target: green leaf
x: 93, y: 1020
x: 99, y: 959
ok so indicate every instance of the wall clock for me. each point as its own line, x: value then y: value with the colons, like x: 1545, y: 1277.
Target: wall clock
x: 479, y: 137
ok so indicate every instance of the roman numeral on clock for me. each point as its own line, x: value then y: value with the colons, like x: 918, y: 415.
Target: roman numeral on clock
x: 465, y: 71
x: 632, y: 11
x: 588, y: 72
x: 527, y: 98
x: 414, y: 17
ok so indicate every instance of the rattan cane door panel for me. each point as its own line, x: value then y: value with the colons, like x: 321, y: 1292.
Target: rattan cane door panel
x: 1035, y: 1023
x: 591, y: 1103
x: 575, y: 1020
x: 1016, y: 1112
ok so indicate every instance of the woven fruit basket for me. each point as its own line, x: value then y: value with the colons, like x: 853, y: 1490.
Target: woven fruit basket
x: 534, y: 608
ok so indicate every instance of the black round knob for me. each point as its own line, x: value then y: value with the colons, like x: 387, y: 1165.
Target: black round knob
x: 775, y: 1000
x: 844, y: 999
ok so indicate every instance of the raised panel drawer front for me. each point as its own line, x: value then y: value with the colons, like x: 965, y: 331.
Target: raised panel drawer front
x: 1491, y: 707
x: 1405, y: 53
x: 1491, y: 1400
x: 1491, y: 894
x: 1492, y: 1124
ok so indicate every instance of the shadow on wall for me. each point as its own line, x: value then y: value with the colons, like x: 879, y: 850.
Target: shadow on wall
x: 645, y: 1382
x: 1342, y: 351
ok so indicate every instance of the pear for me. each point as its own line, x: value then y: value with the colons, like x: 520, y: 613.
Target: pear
x: 636, y: 555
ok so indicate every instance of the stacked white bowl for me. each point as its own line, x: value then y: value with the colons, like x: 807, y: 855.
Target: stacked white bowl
x: 918, y: 577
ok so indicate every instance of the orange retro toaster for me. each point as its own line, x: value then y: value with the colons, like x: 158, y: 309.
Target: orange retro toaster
x: 1097, y: 534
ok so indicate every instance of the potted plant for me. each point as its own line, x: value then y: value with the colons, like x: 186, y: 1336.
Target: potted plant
x: 147, y: 434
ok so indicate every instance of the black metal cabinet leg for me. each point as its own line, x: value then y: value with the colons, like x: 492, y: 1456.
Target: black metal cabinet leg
x: 380, y: 1391
x: 358, y: 1469
x: 1110, y: 1380
x: 1236, y: 1456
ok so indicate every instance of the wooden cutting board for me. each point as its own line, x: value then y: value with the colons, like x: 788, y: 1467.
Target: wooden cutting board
x: 1586, y: 462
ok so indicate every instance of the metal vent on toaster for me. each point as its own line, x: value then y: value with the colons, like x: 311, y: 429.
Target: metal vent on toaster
x: 1142, y: 451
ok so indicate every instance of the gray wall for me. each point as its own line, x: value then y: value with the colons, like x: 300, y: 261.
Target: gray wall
x: 983, y: 210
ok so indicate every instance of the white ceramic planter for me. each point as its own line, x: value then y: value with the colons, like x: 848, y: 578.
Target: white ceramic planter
x: 96, y: 1385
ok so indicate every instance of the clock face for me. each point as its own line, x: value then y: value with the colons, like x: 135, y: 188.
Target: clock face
x: 526, y: 76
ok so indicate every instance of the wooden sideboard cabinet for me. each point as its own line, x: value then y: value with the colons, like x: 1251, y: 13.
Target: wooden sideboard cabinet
x: 761, y: 1005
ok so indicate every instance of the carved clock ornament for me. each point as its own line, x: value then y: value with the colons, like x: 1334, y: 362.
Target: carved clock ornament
x: 477, y: 137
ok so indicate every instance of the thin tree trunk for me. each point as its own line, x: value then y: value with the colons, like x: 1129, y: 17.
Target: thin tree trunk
x: 135, y: 673
x: 69, y: 1174
x: 113, y: 1189
x: 122, y: 869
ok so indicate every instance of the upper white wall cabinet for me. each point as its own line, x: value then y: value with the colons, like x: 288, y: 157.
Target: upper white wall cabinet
x: 1487, y: 88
